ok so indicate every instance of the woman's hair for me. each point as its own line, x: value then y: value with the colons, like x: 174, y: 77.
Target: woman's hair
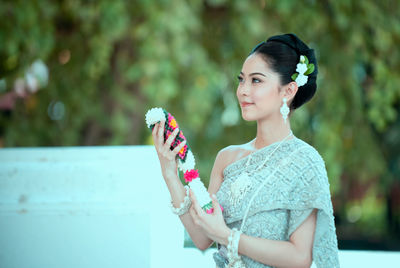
x: 282, y: 54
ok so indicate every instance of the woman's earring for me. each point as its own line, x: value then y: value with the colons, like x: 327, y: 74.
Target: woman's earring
x: 284, y: 109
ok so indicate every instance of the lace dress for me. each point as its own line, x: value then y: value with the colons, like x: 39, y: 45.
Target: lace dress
x: 281, y: 195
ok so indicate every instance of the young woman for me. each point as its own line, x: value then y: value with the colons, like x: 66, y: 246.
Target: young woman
x: 274, y: 189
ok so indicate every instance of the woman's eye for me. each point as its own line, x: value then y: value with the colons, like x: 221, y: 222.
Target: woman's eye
x: 240, y: 79
x: 255, y: 80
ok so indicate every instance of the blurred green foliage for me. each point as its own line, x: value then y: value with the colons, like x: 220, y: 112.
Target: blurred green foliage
x: 111, y: 61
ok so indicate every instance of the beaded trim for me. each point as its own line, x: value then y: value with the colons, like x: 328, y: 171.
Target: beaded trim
x: 184, y: 206
x: 233, y: 244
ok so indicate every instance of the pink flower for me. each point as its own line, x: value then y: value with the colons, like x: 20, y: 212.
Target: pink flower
x: 191, y: 175
x: 211, y: 210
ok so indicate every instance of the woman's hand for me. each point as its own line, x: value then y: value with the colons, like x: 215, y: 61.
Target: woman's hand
x: 213, y: 225
x: 167, y: 157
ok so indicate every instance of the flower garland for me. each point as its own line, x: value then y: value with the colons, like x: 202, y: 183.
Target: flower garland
x: 303, y: 69
x: 186, y: 161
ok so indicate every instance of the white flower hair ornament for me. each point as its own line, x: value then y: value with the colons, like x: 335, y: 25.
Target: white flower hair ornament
x: 303, y: 69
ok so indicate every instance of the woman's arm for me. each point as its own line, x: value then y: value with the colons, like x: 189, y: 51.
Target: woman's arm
x: 169, y: 168
x: 297, y: 252
x: 178, y: 192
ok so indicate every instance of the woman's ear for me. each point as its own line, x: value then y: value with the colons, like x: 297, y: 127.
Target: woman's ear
x: 291, y: 90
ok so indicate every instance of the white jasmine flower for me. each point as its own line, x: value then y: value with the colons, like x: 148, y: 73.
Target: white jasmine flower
x: 302, y: 58
x: 301, y: 80
x: 189, y: 163
x: 301, y: 68
x: 154, y: 115
x: 197, y: 186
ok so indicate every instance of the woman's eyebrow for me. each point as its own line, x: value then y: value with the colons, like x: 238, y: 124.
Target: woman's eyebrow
x: 254, y: 74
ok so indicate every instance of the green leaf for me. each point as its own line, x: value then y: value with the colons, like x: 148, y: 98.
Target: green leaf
x: 294, y: 76
x: 310, y: 69
x: 306, y: 60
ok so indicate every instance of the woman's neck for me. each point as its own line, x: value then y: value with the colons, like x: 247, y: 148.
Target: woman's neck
x: 270, y: 131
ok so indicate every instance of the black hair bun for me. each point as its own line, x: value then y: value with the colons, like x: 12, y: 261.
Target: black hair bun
x: 301, y: 48
x: 282, y: 53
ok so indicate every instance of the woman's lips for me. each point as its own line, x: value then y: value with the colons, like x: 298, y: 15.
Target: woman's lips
x: 245, y: 104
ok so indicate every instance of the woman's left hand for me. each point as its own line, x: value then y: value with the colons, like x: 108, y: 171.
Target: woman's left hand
x: 213, y: 225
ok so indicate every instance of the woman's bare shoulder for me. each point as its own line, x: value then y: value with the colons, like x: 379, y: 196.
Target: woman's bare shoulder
x: 232, y: 153
x: 224, y: 157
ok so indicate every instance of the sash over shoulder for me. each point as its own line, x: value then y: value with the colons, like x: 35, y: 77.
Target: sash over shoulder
x: 309, y: 190
x: 295, y: 180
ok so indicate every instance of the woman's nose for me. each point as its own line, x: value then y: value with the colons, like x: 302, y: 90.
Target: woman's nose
x: 244, y: 89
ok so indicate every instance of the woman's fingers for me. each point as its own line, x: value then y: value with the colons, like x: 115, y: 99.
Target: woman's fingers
x: 171, y: 137
x: 154, y: 131
x: 155, y: 136
x: 160, y: 133
x: 158, y: 136
x: 179, y: 147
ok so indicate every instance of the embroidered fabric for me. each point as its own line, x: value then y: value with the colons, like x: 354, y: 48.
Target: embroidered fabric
x: 293, y: 185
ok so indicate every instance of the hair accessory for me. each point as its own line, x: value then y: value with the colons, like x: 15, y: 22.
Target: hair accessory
x: 284, y: 109
x: 186, y: 161
x: 184, y: 206
x: 303, y: 69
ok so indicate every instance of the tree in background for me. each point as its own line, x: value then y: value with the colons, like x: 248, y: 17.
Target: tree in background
x: 110, y: 61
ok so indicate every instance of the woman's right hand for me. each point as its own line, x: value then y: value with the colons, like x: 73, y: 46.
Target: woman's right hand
x: 167, y: 157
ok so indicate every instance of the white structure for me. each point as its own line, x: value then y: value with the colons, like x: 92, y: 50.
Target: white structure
x: 103, y: 206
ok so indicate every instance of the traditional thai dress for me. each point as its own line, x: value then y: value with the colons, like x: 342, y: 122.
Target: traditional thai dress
x: 278, y: 197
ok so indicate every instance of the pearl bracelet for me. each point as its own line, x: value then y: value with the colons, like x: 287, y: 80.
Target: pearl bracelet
x: 233, y: 245
x: 184, y: 206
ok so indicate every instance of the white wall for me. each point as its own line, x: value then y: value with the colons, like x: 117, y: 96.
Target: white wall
x: 103, y: 206
x: 85, y: 207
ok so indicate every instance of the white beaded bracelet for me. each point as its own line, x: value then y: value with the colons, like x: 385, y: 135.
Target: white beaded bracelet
x: 233, y: 245
x: 184, y: 206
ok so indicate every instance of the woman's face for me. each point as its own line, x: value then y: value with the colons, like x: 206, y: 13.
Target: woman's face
x: 258, y: 85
